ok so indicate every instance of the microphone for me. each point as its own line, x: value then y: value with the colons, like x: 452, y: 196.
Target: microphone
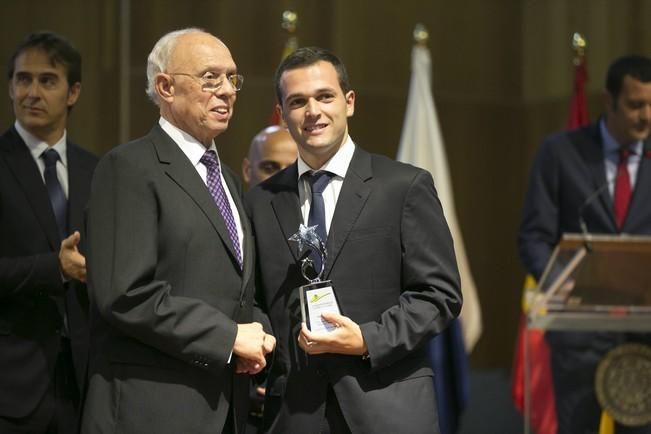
x: 582, y: 224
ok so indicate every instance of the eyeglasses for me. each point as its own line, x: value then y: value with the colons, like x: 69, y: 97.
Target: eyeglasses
x: 212, y: 82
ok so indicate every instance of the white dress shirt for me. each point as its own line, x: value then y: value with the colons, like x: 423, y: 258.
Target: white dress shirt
x: 37, y: 147
x: 194, y: 150
x: 338, y: 165
x: 611, y: 158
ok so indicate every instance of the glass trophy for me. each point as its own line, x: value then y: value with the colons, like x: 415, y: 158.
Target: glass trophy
x: 317, y: 296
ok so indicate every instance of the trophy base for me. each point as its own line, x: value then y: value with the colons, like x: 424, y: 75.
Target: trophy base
x: 318, y: 298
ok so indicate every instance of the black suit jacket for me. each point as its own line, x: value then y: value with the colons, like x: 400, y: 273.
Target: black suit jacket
x: 166, y: 294
x: 30, y: 279
x: 392, y: 264
x: 567, y: 170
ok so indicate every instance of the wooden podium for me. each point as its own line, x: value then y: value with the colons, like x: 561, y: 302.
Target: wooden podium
x: 592, y: 283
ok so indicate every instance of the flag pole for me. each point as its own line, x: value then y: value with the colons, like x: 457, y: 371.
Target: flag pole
x: 578, y: 115
x: 578, y: 44
x: 421, y: 35
x: 289, y: 24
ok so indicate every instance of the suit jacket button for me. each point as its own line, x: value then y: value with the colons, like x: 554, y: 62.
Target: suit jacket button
x: 242, y: 303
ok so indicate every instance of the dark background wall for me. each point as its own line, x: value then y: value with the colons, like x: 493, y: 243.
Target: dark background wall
x: 502, y: 78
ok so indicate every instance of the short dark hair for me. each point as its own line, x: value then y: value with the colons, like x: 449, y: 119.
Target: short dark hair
x: 638, y: 67
x: 307, y: 56
x: 57, y: 49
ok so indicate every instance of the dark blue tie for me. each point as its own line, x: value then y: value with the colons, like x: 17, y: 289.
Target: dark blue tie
x: 318, y: 182
x: 55, y: 191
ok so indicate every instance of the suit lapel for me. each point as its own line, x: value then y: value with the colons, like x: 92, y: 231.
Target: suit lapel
x: 354, y: 193
x: 590, y: 146
x: 247, y: 241
x: 79, y: 176
x: 641, y: 197
x: 29, y: 178
x: 178, y: 168
x: 286, y: 205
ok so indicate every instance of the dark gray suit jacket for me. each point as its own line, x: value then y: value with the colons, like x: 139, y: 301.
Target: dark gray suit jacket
x: 30, y: 278
x: 167, y: 294
x: 392, y: 264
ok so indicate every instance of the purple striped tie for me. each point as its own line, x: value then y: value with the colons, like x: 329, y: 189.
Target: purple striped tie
x: 209, y: 159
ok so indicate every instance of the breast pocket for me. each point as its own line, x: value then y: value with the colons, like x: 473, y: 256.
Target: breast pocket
x: 370, y: 232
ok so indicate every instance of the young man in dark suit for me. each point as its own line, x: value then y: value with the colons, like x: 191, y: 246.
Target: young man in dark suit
x: 171, y: 260
x: 44, y: 187
x: 599, y: 174
x: 389, y: 256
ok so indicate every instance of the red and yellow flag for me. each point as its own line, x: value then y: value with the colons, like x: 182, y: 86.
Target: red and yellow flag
x: 542, y: 402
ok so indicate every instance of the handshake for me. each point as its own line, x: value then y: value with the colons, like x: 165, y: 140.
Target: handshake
x: 251, y: 346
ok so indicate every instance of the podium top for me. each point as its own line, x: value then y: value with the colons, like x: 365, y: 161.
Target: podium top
x: 623, y: 242
x: 598, y: 273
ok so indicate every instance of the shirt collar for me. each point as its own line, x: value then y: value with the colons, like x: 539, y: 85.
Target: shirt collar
x: 610, y: 145
x: 338, y: 164
x: 191, y: 147
x: 37, y: 146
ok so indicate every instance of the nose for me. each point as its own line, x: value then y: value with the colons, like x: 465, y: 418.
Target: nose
x: 312, y: 107
x: 33, y: 89
x: 645, y: 113
x: 225, y: 88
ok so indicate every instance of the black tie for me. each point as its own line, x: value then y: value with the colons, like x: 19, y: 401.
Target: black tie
x: 55, y: 191
x: 318, y: 182
x: 60, y: 208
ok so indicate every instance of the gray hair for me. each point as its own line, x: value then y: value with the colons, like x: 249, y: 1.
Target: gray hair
x: 159, y: 58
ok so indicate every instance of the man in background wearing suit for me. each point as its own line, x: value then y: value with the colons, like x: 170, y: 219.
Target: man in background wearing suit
x: 610, y: 158
x: 390, y: 258
x: 44, y: 186
x: 171, y: 260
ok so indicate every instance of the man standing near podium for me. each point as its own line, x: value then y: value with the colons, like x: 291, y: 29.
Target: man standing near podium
x: 600, y: 175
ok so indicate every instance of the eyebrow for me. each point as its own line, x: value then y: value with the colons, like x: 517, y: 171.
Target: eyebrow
x: 316, y: 92
x: 37, y: 74
x: 220, y: 70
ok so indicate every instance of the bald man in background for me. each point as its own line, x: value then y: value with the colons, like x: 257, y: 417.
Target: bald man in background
x: 271, y: 150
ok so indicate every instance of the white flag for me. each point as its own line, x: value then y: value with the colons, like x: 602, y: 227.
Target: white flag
x: 421, y: 144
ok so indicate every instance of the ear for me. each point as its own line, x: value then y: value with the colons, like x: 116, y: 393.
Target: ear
x: 164, y: 87
x: 280, y: 114
x: 350, y: 103
x: 73, y: 94
x: 11, y: 91
x: 246, y: 165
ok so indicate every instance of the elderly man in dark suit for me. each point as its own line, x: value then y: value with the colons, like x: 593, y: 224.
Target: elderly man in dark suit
x: 600, y: 174
x: 44, y: 186
x: 171, y: 260
x: 389, y: 256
